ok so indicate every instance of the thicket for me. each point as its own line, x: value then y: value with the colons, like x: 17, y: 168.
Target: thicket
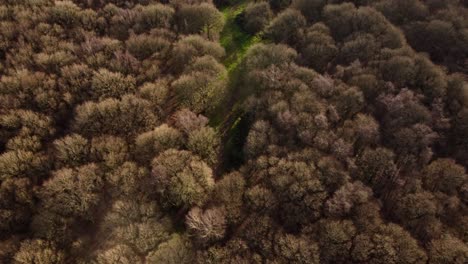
x: 355, y: 151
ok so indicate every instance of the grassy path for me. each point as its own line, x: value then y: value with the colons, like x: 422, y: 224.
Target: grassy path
x: 235, y: 42
x: 227, y: 119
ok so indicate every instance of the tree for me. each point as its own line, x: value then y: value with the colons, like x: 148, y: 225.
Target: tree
x: 205, y: 143
x: 25, y: 143
x: 107, y: 84
x: 128, y: 179
x: 144, y: 235
x: 26, y: 123
x: 341, y: 149
x: 460, y: 132
x: 202, y: 18
x: 413, y: 209
x: 136, y: 222
x: 401, y: 12
x: 260, y: 136
x: 389, y: 244
x: 144, y: 46
x: 444, y: 175
x: 257, y: 16
x: 294, y: 249
x: 347, y: 197
x: 73, y: 192
x: 127, y: 116
x: 110, y: 150
x: 89, y: 19
x: 371, y: 21
x: 259, y: 234
x: 349, y: 102
x: 202, y: 86
x: 430, y: 79
x: 377, y: 168
x: 65, y: 13
x: 124, y: 212
x: 72, y: 150
x: 187, y: 121
x: 125, y: 63
x: 16, y: 204
x: 319, y: 47
x: 311, y: 9
x: 261, y: 56
x: 332, y: 173
x: 260, y: 199
x: 434, y: 5
x: 228, y: 192
x: 181, y: 178
x: 8, y: 249
x: 299, y: 192
x: 335, y: 240
x: 370, y: 86
x: 325, y: 87
x: 19, y: 164
x: 192, y: 46
x: 367, y: 216
x: 99, y: 51
x: 236, y: 250
x: 76, y: 80
x: 286, y: 27
x: 279, y: 4
x: 174, y: 251
x: 413, y: 144
x: 54, y: 227
x: 207, y: 225
x: 39, y: 251
x: 447, y: 249
x: 154, y: 16
x: 54, y: 60
x: 438, y: 34
x: 156, y: 93
x: 363, y: 130
x: 402, y: 110
x: 121, y: 254
x: 399, y: 70
x: 149, y: 144
x: 31, y: 91
x: 340, y: 19
x: 362, y: 47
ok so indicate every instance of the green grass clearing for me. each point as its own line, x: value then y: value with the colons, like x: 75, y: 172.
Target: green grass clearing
x: 235, y: 42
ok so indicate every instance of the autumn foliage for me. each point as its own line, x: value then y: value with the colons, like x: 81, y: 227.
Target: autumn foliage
x: 199, y: 131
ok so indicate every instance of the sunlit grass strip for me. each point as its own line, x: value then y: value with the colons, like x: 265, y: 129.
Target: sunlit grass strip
x: 236, y: 43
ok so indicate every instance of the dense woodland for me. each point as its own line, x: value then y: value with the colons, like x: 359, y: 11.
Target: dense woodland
x: 233, y: 131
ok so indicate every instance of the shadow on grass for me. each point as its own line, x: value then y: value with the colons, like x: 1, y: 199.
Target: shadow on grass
x: 229, y: 118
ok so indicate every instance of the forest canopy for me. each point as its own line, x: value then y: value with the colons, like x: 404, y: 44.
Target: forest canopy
x: 234, y: 131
